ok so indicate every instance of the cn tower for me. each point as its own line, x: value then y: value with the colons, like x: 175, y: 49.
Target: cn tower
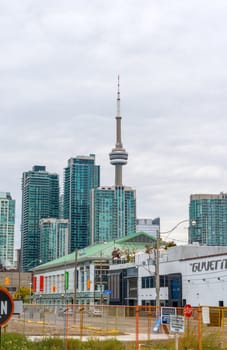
x: 118, y: 156
x: 114, y: 207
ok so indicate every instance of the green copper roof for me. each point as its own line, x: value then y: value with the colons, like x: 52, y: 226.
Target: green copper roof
x: 131, y: 244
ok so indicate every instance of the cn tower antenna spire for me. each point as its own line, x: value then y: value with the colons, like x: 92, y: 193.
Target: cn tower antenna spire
x: 118, y: 156
x: 118, y: 96
x: 118, y: 116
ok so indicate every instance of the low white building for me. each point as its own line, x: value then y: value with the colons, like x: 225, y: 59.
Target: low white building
x: 54, y: 282
x: 193, y: 274
x: 122, y: 273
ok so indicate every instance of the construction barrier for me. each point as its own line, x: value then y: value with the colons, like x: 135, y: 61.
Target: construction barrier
x: 191, y: 327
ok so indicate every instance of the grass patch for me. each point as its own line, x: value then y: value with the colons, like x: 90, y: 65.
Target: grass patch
x: 11, y: 341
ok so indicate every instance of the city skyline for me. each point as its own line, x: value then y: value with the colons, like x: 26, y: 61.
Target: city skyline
x: 59, y: 65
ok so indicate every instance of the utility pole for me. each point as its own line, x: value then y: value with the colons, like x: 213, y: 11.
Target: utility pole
x: 75, y: 285
x: 157, y: 261
x: 100, y: 280
x: 75, y: 277
x: 157, y: 277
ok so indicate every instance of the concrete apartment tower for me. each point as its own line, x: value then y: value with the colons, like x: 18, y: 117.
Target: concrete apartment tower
x: 114, y: 207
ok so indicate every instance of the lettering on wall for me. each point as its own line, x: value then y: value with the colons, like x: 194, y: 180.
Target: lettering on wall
x: 211, y: 265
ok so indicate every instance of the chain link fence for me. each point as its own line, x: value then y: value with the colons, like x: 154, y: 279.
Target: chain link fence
x: 139, y: 323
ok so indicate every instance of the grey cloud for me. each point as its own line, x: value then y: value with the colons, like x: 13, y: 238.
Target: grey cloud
x: 59, y: 63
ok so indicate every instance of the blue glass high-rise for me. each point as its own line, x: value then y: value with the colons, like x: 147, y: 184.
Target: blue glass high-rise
x: 208, y: 219
x: 80, y: 177
x: 40, y: 199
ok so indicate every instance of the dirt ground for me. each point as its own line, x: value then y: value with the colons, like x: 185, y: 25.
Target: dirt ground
x: 40, y: 328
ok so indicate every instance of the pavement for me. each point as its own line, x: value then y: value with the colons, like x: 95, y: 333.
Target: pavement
x: 122, y: 338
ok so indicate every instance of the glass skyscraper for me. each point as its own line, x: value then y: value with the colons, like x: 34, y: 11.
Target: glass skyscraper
x: 113, y: 213
x: 40, y: 199
x: 7, y: 224
x: 53, y: 239
x: 80, y: 177
x: 114, y: 207
x: 208, y: 219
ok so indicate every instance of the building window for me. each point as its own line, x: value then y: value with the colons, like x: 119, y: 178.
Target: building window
x: 148, y: 282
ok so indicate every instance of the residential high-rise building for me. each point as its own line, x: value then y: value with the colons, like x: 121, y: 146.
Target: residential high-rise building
x: 150, y: 226
x: 80, y: 177
x: 53, y: 239
x: 208, y: 219
x: 113, y: 213
x: 40, y: 199
x: 114, y: 207
x: 7, y: 224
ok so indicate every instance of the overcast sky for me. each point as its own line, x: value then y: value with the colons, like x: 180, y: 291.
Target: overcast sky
x: 59, y: 62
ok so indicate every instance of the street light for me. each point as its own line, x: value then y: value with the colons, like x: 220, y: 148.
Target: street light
x: 157, y: 277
